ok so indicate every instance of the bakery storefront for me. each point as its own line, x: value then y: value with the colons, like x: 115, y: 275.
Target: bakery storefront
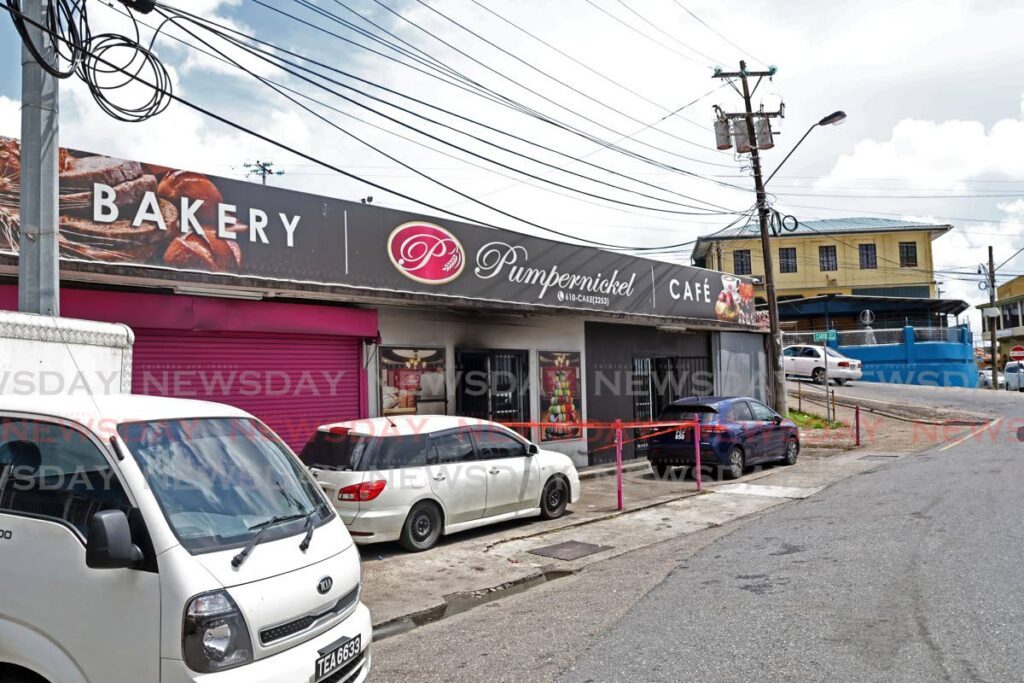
x: 306, y: 309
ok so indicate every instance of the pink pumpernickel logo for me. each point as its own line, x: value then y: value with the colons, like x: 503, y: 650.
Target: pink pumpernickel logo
x: 426, y: 253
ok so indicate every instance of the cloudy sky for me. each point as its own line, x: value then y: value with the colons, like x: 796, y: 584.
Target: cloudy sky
x: 934, y: 92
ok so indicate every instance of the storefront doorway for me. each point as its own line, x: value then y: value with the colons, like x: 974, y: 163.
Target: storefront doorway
x: 659, y: 381
x: 493, y: 385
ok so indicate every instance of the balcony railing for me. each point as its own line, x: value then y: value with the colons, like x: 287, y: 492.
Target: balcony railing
x: 869, y: 337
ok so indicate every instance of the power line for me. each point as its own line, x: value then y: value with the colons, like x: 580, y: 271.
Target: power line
x: 564, y: 84
x: 710, y: 28
x: 665, y: 33
x: 504, y: 100
x: 592, y: 70
x: 268, y: 57
x: 647, y: 37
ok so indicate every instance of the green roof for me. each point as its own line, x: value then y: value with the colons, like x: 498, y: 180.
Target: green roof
x: 830, y: 226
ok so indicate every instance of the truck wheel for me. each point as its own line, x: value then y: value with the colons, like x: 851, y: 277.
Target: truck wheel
x: 735, y: 468
x: 818, y: 376
x: 422, y: 527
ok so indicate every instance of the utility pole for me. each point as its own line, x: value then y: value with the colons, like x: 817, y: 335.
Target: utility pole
x: 38, y: 262
x: 777, y: 376
x: 262, y: 169
x: 992, y: 322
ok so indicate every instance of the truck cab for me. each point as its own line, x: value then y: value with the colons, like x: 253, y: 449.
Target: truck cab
x: 154, y: 539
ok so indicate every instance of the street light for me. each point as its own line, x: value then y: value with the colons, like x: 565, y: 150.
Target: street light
x: 833, y: 119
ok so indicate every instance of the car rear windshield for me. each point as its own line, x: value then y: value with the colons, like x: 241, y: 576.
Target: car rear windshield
x: 706, y: 414
x: 334, y: 451
x: 361, y: 453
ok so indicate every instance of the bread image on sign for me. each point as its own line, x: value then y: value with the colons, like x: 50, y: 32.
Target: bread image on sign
x: 120, y: 211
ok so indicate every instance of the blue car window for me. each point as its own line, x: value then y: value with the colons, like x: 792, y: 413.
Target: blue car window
x: 761, y: 411
x: 739, y: 412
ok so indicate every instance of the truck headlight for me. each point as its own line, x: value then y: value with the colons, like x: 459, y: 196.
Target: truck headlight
x: 214, y: 635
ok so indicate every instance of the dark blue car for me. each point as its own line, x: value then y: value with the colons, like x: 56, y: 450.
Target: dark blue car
x: 734, y: 433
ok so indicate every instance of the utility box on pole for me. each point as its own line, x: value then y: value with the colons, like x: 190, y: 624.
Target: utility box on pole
x: 38, y: 262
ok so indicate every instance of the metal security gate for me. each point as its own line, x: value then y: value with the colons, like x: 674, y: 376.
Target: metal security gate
x: 493, y: 385
x: 294, y: 383
x: 657, y: 382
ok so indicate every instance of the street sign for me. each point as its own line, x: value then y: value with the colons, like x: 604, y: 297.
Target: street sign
x: 1017, y: 353
x: 830, y: 336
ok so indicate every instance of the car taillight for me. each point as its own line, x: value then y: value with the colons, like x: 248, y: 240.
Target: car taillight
x: 368, y: 490
x: 714, y: 429
x: 844, y: 364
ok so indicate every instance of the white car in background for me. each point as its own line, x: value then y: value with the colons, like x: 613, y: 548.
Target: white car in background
x: 413, y: 478
x: 985, y: 379
x: 808, y: 361
x: 1010, y: 377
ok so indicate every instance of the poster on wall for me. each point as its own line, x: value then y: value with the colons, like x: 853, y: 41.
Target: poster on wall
x: 560, y: 398
x: 412, y: 381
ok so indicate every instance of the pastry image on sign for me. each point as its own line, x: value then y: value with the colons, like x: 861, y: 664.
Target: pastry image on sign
x: 120, y: 211
x: 560, y: 392
x: 426, y: 253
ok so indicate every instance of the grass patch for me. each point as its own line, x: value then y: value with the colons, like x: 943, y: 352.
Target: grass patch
x: 808, y: 421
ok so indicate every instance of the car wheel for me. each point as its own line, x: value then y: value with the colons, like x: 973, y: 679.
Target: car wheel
x: 554, y: 498
x: 792, y: 451
x: 735, y: 468
x: 422, y: 527
x: 818, y: 376
x: 661, y: 471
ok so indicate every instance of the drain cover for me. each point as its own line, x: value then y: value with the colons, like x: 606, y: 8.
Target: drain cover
x: 877, y: 457
x: 570, y: 550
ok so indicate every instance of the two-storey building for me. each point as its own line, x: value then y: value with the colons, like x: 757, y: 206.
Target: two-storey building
x: 841, y: 256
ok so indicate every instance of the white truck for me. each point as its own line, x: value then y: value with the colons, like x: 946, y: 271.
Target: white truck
x: 154, y: 539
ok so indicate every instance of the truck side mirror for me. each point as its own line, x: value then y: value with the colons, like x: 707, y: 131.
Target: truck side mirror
x: 532, y: 449
x: 110, y: 542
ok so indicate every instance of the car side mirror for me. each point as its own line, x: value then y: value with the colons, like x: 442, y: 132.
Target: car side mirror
x: 110, y: 542
x: 777, y: 419
x: 532, y: 449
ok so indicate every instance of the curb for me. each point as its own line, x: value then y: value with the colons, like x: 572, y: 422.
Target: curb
x: 903, y: 417
x: 598, y: 471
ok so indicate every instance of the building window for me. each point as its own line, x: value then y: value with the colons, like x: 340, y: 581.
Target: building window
x: 741, y: 262
x: 868, y: 257
x: 787, y: 259
x: 1011, y: 315
x: 827, y: 260
x: 908, y: 254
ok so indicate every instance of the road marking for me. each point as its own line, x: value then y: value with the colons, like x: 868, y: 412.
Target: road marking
x: 769, y: 491
x: 976, y: 432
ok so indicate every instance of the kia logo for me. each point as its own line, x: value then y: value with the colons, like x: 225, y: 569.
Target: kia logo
x: 426, y: 253
x: 324, y: 587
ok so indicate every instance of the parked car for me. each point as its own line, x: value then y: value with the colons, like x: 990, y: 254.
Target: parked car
x: 985, y: 379
x: 807, y: 361
x: 1012, y: 376
x: 149, y: 539
x: 734, y: 434
x: 413, y: 478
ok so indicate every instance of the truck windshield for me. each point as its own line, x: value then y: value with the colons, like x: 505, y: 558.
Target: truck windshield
x: 216, y: 478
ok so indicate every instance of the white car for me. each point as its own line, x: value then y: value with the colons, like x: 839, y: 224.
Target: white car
x: 155, y: 539
x: 985, y: 379
x: 413, y: 478
x: 1011, y: 377
x: 808, y: 361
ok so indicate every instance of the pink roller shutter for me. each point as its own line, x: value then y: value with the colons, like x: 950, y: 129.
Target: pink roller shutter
x: 294, y: 383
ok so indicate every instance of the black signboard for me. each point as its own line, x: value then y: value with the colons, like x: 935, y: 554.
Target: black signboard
x: 130, y: 213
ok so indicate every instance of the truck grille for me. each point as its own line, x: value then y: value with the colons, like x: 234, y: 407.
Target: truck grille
x: 276, y: 633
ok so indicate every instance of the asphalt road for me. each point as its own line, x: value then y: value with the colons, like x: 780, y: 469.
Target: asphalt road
x: 912, y: 571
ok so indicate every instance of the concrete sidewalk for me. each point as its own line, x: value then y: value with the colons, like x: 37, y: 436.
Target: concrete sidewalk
x: 404, y: 590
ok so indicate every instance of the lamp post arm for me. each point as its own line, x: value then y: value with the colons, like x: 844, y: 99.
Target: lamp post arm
x: 791, y: 152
